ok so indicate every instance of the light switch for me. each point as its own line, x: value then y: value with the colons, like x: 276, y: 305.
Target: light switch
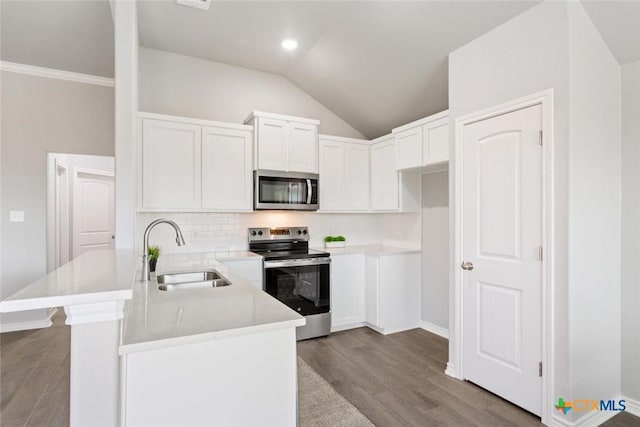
x: 16, y: 216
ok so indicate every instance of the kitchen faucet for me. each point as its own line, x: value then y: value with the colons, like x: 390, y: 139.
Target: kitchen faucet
x: 146, y: 274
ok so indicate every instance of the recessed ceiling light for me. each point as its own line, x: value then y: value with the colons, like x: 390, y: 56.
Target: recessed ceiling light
x: 289, y: 44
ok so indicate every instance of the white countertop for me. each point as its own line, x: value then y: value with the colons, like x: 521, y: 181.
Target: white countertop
x: 379, y: 250
x: 236, y: 256
x: 157, y: 319
x: 98, y: 275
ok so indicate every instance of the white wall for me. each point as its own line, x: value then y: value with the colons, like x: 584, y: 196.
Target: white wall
x: 525, y: 55
x: 185, y: 86
x: 125, y: 24
x: 554, y: 45
x: 630, y: 292
x: 594, y: 210
x: 41, y: 115
x: 435, y: 249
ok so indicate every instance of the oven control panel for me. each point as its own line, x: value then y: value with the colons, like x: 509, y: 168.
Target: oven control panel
x: 259, y: 234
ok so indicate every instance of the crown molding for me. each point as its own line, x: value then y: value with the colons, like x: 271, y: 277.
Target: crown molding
x: 51, y: 73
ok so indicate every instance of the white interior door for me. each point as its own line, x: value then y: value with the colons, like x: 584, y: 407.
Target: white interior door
x: 93, y: 211
x: 502, y: 238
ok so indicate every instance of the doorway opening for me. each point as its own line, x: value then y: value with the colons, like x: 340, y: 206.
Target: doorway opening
x: 80, y: 205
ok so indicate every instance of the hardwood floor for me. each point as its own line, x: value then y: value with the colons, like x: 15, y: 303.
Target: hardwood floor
x: 394, y: 380
x: 34, y: 376
x: 398, y: 380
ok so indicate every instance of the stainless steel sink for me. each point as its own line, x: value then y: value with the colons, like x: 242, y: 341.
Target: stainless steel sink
x: 198, y: 279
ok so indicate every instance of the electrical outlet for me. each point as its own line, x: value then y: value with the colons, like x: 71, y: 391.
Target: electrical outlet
x: 16, y: 216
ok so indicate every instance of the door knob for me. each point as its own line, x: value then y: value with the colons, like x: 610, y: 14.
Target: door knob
x: 467, y: 265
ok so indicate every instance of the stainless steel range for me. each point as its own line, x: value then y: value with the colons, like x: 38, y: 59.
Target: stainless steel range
x: 296, y: 275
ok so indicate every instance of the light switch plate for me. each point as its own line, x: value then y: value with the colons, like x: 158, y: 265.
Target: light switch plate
x: 16, y: 216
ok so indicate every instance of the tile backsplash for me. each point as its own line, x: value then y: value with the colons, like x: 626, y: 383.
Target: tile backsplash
x: 204, y: 231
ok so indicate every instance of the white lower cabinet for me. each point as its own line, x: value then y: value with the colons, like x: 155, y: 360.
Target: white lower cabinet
x: 347, y: 291
x: 381, y: 291
x: 248, y: 269
x: 392, y: 292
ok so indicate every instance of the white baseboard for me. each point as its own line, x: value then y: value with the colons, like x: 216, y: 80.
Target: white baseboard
x: 348, y: 326
x: 633, y: 406
x: 33, y: 324
x: 434, y: 329
x: 451, y: 371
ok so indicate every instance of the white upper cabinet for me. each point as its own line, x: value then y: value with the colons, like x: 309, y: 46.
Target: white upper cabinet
x: 384, y: 176
x: 409, y: 148
x: 423, y: 143
x: 285, y: 143
x: 392, y: 191
x: 272, y: 146
x: 226, y: 169
x: 170, y: 165
x: 302, y: 145
x: 331, y: 175
x: 190, y: 164
x: 356, y: 193
x: 435, y: 145
x: 344, y: 174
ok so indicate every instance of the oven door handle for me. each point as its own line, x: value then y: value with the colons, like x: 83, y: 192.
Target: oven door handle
x: 297, y: 262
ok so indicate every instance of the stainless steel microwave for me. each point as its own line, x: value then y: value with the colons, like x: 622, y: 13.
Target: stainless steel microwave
x: 285, y: 190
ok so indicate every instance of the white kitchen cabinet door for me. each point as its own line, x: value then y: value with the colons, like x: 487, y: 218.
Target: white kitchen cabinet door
x: 347, y: 291
x: 331, y: 175
x: 226, y: 169
x: 408, y: 145
x: 356, y: 171
x: 302, y: 145
x: 384, y: 176
x: 436, y: 142
x: 372, y: 292
x: 272, y: 144
x: 170, y: 165
x: 250, y: 270
x: 399, y: 292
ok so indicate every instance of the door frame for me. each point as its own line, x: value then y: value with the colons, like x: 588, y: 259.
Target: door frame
x: 455, y: 366
x: 54, y: 164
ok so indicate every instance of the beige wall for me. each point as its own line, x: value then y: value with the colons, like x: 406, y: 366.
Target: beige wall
x: 555, y: 45
x: 41, y: 115
x: 525, y: 55
x: 630, y: 292
x: 185, y: 86
x: 435, y: 249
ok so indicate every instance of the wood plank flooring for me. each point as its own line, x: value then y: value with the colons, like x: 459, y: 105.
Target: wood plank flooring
x: 398, y: 380
x: 34, y: 376
x: 394, y: 380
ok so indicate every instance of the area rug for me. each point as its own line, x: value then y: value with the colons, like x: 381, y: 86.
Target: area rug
x: 320, y: 405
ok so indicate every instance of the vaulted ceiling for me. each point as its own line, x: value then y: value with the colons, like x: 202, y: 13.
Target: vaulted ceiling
x: 376, y: 64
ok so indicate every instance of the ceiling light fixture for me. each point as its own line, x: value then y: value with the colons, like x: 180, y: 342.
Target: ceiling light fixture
x: 289, y: 44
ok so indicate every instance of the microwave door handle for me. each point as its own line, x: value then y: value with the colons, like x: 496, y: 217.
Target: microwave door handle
x: 309, y: 191
x: 290, y: 194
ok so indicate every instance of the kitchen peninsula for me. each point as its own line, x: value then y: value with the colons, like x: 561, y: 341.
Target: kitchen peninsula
x: 194, y: 357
